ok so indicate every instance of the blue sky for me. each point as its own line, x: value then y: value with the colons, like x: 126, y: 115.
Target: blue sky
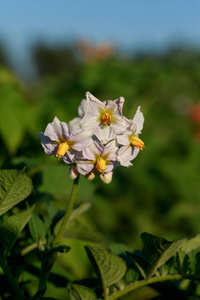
x: 131, y: 24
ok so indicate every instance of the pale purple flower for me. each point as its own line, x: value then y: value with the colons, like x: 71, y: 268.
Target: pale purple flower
x: 60, y: 141
x: 97, y: 141
x: 104, y: 119
x: 97, y: 159
x: 129, y: 141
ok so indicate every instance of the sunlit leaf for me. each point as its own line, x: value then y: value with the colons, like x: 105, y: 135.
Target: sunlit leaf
x: 158, y: 250
x: 12, y: 227
x: 108, y: 267
x: 15, y: 186
x: 78, y: 292
x: 192, y: 244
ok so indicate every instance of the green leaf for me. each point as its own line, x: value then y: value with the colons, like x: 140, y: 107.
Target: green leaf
x: 108, y: 267
x: 12, y: 227
x: 131, y: 275
x: 13, y: 104
x: 15, y: 186
x: 138, y: 263
x: 83, y: 207
x: 79, y: 292
x: 180, y: 260
x: 78, y: 230
x: 37, y: 228
x: 192, y: 261
x: 158, y: 250
x: 192, y: 244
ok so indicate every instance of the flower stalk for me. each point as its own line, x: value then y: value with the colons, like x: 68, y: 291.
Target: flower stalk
x: 67, y: 212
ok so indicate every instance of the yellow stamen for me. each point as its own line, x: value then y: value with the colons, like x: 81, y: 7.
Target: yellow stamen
x: 136, y: 142
x: 106, y: 118
x: 101, y: 165
x: 62, y: 149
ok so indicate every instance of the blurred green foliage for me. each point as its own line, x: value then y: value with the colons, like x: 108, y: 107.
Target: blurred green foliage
x: 160, y: 193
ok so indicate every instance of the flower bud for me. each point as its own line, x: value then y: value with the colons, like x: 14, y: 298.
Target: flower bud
x: 73, y: 173
x: 90, y: 176
x: 106, y: 178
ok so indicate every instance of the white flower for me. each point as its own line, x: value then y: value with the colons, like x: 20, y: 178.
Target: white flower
x: 97, y: 159
x: 59, y: 140
x: 97, y: 141
x: 131, y: 143
x: 104, y: 119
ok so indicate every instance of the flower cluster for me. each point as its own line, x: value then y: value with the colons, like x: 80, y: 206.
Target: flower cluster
x: 97, y: 141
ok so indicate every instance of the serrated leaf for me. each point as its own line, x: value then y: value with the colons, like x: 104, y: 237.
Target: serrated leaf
x: 15, y: 186
x: 37, y: 228
x: 158, y: 250
x: 79, y: 292
x: 108, y: 267
x: 192, y: 244
x: 12, y: 227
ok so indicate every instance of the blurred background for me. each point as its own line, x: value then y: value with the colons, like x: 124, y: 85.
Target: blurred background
x: 52, y: 52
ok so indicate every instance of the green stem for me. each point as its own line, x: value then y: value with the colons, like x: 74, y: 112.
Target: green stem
x: 29, y: 249
x: 32, y: 247
x: 142, y: 283
x: 11, y: 279
x: 68, y: 211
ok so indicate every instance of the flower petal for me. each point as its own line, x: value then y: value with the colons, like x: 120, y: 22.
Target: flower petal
x: 84, y: 167
x: 138, y: 121
x: 75, y: 123
x: 124, y: 155
x: 82, y: 108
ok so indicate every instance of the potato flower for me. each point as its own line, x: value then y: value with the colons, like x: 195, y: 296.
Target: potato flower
x: 130, y: 142
x: 97, y: 141
x: 104, y: 119
x: 98, y: 159
x: 60, y: 141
